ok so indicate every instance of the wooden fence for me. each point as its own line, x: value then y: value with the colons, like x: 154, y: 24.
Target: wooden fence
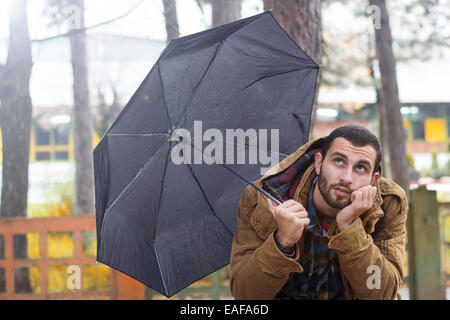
x: 119, y: 285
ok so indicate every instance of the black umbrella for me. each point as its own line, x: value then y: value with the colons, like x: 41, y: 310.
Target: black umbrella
x: 165, y: 205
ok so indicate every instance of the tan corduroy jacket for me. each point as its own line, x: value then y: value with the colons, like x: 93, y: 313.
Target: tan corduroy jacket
x: 259, y: 269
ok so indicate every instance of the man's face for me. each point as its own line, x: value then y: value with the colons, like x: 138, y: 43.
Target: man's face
x: 345, y: 169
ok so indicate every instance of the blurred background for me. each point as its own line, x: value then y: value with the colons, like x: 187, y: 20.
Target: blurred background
x: 68, y: 67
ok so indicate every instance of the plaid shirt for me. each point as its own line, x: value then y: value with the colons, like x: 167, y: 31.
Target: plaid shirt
x: 321, y: 277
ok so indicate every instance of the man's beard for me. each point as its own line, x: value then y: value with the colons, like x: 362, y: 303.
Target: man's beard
x: 325, y: 190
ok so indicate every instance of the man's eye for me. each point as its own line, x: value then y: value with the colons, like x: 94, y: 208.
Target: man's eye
x: 338, y: 161
x: 361, y: 168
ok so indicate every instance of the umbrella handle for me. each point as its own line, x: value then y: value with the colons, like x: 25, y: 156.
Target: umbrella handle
x: 268, y: 195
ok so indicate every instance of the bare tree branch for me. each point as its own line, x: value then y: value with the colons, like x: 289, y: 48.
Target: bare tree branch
x: 199, y: 4
x: 74, y: 31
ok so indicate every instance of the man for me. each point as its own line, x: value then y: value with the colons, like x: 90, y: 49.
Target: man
x: 338, y: 234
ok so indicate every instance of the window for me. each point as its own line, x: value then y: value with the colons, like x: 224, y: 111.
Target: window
x: 418, y: 130
x: 61, y: 134
x: 60, y: 245
x: 42, y: 137
x: 26, y: 246
x: 27, y: 279
x: 57, y: 277
x: 42, y: 156
x: 96, y: 276
x: 61, y: 155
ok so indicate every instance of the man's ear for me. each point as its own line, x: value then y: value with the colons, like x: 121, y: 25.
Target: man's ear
x: 318, y: 162
x: 375, y: 178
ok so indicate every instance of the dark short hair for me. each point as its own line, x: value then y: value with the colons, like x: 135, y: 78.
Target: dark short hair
x: 358, y: 136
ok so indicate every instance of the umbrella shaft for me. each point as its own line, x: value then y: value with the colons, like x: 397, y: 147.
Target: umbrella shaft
x: 268, y: 195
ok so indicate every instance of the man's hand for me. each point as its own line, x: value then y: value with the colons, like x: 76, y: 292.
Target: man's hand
x: 291, y: 218
x: 362, y: 199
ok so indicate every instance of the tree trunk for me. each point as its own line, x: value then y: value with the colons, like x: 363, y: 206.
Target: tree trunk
x: 170, y: 15
x: 82, y: 120
x: 389, y: 95
x: 301, y: 19
x: 225, y: 11
x: 15, y: 114
x: 381, y: 117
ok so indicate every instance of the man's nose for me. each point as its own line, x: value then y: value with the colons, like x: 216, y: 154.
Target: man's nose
x: 347, y: 177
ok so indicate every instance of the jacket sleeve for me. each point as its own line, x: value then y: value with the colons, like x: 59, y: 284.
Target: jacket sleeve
x: 374, y: 268
x: 258, y: 268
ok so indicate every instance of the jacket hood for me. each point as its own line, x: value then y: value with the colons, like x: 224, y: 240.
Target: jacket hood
x: 289, y: 160
x: 374, y: 212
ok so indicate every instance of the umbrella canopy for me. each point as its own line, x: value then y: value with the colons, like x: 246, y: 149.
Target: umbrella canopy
x: 166, y: 222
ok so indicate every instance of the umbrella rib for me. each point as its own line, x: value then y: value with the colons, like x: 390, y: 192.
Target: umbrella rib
x: 268, y: 76
x: 247, y: 146
x: 161, y: 192
x: 160, y: 269
x: 206, y: 198
x: 209, y: 67
x: 164, y: 96
x: 220, y: 46
x: 265, y: 77
x: 216, y: 53
x: 202, y: 77
x: 137, y: 134
x: 259, y: 79
x: 156, y: 219
x: 129, y: 184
